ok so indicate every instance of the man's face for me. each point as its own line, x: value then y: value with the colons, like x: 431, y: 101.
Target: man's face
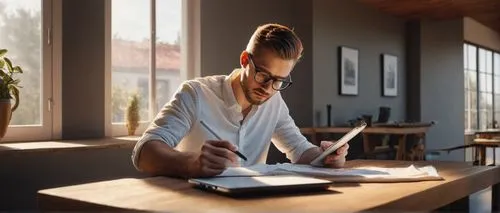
x: 268, y: 64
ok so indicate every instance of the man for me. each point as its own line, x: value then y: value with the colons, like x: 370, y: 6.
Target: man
x: 244, y: 109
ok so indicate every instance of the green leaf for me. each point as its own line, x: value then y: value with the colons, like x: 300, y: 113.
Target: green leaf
x: 16, y: 82
x: 2, y: 52
x: 3, y: 75
x: 15, y: 93
x: 9, y: 64
x: 18, y: 69
x: 2, y: 63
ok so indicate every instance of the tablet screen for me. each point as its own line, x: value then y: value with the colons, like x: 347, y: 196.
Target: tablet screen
x: 318, y: 161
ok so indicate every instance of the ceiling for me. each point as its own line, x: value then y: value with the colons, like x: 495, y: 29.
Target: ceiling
x: 486, y: 12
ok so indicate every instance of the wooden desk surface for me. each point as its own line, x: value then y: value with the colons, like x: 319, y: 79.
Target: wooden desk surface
x: 176, y: 195
x: 488, y: 142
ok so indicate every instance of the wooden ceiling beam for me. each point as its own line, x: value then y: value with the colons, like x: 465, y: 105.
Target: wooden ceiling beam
x: 484, y: 11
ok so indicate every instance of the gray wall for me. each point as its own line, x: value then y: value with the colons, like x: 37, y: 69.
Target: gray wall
x: 441, y: 86
x: 299, y: 97
x: 83, y: 69
x: 352, y: 24
x: 225, y: 32
x: 226, y: 27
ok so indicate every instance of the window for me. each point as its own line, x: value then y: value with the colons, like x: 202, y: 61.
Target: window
x: 496, y: 83
x: 27, y: 31
x: 481, y: 87
x: 145, y: 57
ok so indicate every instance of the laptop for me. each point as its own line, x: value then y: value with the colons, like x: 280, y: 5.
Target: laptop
x: 239, y: 185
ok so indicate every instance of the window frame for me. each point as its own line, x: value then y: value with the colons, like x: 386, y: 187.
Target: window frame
x: 468, y: 109
x: 190, y: 45
x: 51, y: 77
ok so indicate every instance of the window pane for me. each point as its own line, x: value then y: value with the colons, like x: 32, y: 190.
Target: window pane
x: 496, y: 64
x: 489, y: 101
x: 497, y: 84
x: 482, y: 82
x: 489, y: 83
x: 130, y: 56
x: 473, y: 120
x: 466, y: 99
x: 497, y: 102
x: 466, y: 120
x: 20, y: 34
x: 473, y: 100
x: 482, y: 120
x: 489, y: 62
x: 482, y: 60
x: 472, y: 57
x: 472, y: 80
x: 497, y: 119
x: 485, y: 101
x: 465, y: 56
x: 489, y: 119
x: 485, y: 119
x: 168, y: 49
x: 466, y: 80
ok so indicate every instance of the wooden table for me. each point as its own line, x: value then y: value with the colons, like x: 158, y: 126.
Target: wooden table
x: 369, y: 146
x: 481, y: 144
x: 176, y: 195
x: 487, y: 133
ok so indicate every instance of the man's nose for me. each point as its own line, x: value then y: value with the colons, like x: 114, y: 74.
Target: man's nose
x: 268, y: 84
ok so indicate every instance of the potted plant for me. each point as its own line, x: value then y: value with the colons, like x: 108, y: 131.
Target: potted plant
x: 9, y: 89
x: 132, y: 114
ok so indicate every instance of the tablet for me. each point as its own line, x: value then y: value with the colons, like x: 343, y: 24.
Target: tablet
x: 318, y: 161
x: 259, y: 184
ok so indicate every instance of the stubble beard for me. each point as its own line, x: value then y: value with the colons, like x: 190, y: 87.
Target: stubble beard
x: 248, y: 93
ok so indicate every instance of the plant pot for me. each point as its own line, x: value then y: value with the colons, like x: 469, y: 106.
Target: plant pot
x: 5, y: 116
x: 131, y: 132
x: 131, y: 128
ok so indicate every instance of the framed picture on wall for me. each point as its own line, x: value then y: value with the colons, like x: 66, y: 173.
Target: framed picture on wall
x: 389, y: 75
x: 348, y: 71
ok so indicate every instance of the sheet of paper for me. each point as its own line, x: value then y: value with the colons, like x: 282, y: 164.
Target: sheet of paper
x: 255, y: 170
x: 359, y: 174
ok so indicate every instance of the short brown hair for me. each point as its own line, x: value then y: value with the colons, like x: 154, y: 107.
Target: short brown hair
x: 277, y: 38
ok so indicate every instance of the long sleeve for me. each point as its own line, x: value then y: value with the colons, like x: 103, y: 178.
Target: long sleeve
x: 173, y: 122
x: 287, y: 137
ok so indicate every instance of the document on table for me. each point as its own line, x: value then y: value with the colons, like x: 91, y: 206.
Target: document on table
x: 358, y: 174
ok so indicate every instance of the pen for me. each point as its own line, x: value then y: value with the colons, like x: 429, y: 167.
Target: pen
x: 219, y: 138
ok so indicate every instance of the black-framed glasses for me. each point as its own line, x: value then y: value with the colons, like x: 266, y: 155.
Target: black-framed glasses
x: 263, y: 77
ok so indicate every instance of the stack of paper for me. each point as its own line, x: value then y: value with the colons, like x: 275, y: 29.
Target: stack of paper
x: 359, y: 174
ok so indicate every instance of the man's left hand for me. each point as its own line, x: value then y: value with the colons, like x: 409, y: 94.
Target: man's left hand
x: 336, y: 157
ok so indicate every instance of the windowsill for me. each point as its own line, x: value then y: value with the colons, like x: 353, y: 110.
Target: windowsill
x: 68, y: 145
x: 469, y: 132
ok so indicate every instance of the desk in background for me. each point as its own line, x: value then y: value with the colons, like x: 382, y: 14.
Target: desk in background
x: 369, y: 146
x: 176, y: 195
x: 487, y: 133
x: 481, y: 144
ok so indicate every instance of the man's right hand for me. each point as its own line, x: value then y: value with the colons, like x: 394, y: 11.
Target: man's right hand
x: 215, y: 157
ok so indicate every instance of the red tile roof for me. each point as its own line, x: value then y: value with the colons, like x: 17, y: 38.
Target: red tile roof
x: 132, y: 54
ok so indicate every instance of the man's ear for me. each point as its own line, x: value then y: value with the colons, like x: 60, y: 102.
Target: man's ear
x: 244, y: 59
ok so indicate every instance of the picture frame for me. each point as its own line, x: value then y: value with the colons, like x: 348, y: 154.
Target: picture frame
x: 389, y: 80
x: 348, y: 70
